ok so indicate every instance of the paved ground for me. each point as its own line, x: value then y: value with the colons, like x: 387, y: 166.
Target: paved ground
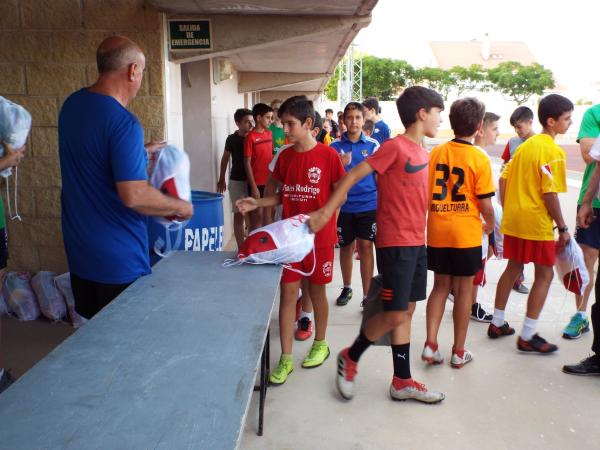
x: 502, y: 400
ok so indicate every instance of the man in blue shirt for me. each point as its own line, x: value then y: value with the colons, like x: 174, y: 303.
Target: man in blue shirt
x: 105, y: 192
x: 357, y: 217
x: 381, y: 131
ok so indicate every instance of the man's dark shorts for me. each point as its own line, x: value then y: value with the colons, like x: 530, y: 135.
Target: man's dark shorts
x: 3, y: 248
x: 351, y: 226
x: 404, y: 276
x: 589, y: 236
x: 458, y: 262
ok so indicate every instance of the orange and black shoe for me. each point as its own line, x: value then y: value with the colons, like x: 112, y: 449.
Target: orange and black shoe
x: 495, y: 332
x: 536, y: 344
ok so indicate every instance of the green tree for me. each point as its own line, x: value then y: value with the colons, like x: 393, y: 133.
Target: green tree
x: 472, y: 78
x: 381, y: 77
x: 520, y: 82
x: 435, y: 78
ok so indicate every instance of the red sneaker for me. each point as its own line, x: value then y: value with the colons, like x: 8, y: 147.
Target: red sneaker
x: 304, y: 330
x: 346, y: 371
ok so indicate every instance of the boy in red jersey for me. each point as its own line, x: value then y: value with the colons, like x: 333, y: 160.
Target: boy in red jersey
x: 305, y: 174
x: 258, y: 152
x: 402, y: 193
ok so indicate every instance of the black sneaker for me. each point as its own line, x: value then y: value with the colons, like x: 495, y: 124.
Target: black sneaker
x: 536, y: 344
x: 587, y: 366
x: 6, y: 380
x: 479, y: 314
x: 344, y: 297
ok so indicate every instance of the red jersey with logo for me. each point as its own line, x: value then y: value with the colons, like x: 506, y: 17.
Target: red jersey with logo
x: 308, y: 179
x: 259, y: 148
x: 402, y: 192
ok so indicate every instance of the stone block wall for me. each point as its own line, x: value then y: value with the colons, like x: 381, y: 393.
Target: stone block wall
x: 48, y: 51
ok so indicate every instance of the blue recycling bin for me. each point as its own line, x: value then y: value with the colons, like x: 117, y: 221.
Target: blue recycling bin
x: 202, y: 233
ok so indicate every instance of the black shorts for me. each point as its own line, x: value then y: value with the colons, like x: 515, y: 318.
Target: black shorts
x: 404, y: 273
x: 352, y: 226
x: 261, y: 190
x: 3, y: 248
x: 589, y: 236
x: 91, y: 296
x: 458, y: 262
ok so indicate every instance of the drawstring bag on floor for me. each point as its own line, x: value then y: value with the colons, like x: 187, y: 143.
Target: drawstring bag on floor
x: 20, y: 297
x: 170, y: 174
x: 51, y: 301
x: 15, y: 124
x: 63, y: 284
x: 570, y: 266
x: 283, y: 242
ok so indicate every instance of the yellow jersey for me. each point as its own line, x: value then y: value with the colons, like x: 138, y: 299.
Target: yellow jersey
x: 538, y: 167
x: 459, y: 175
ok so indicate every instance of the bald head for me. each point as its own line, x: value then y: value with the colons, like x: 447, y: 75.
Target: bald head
x: 116, y: 53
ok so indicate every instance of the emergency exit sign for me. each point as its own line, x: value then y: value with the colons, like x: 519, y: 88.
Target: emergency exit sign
x: 189, y: 34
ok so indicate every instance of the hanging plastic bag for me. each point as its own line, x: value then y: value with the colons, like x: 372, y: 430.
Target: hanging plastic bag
x: 15, y: 123
x: 498, y: 236
x: 170, y: 174
x: 595, y: 150
x: 51, y: 301
x: 570, y: 266
x: 373, y: 305
x: 284, y: 242
x: 63, y: 284
x: 20, y: 297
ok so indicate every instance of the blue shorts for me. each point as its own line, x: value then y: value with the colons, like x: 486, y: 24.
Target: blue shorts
x: 589, y: 236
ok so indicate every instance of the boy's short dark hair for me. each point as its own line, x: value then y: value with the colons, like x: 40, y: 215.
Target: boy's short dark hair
x: 260, y: 109
x: 298, y: 106
x: 328, y: 110
x: 354, y: 106
x: 553, y: 106
x: 521, y: 114
x: 415, y: 98
x: 372, y: 103
x: 465, y: 116
x: 318, y: 122
x: 240, y: 113
x: 490, y: 117
x: 369, y: 125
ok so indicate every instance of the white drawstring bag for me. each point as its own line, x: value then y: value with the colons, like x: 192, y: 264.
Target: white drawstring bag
x: 570, y: 266
x: 498, y: 236
x: 15, y: 124
x: 51, y: 301
x: 170, y: 174
x: 283, y: 242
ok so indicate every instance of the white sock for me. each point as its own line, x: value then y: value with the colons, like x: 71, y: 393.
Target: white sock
x: 529, y: 327
x: 304, y: 314
x: 349, y: 286
x: 498, y: 319
x: 583, y: 314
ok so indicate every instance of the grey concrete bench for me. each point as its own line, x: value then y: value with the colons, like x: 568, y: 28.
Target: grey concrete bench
x: 170, y: 364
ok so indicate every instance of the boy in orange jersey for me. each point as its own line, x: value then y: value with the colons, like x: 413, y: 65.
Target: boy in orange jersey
x: 461, y: 186
x: 258, y: 152
x: 529, y: 189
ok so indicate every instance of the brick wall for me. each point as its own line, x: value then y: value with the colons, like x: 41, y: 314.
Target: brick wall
x: 47, y: 51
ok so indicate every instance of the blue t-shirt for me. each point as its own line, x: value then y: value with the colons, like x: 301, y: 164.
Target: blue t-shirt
x: 381, y: 132
x: 362, y: 197
x: 101, y: 143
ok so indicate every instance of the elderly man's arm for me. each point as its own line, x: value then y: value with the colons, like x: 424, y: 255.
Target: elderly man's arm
x: 143, y: 198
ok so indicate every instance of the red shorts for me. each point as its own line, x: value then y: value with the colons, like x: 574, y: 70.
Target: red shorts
x: 479, y: 279
x: 322, y: 261
x: 526, y: 251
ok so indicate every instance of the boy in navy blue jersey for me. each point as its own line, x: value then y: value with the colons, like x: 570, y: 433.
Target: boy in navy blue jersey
x: 372, y: 112
x: 356, y: 220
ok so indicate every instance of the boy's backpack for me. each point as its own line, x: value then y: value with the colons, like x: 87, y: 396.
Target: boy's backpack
x: 283, y: 242
x: 170, y: 174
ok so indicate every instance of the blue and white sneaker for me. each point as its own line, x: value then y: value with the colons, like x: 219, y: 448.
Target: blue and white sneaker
x: 577, y: 326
